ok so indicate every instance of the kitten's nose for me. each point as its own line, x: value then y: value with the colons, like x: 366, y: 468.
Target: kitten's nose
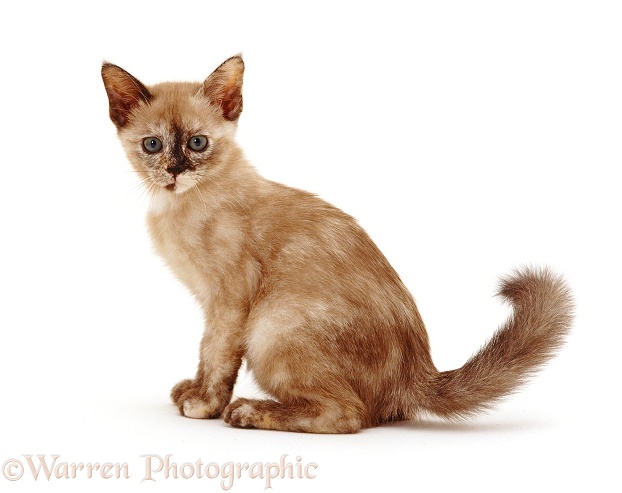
x: 177, y: 169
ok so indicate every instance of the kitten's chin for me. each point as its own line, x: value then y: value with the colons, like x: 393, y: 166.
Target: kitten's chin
x: 179, y: 187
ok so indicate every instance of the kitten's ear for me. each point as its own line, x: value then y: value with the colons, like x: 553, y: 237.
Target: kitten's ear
x: 224, y: 87
x: 125, y: 92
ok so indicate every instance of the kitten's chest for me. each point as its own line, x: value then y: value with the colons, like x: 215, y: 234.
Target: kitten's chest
x: 207, y: 252
x: 185, y: 243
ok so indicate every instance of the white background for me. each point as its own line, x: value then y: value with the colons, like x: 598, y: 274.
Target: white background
x: 468, y: 138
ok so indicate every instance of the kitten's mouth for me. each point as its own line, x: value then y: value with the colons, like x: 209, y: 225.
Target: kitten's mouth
x: 177, y: 186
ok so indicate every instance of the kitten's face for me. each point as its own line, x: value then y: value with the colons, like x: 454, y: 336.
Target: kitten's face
x: 173, y: 141
x: 175, y: 134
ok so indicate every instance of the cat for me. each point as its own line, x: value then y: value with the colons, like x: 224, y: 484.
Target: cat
x: 296, y: 287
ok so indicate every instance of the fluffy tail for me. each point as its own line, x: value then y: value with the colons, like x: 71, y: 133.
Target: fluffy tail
x: 542, y: 306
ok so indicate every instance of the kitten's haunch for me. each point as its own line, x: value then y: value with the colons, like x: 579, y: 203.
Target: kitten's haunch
x: 295, y: 286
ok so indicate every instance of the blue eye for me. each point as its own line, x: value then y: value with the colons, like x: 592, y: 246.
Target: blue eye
x: 198, y: 143
x: 152, y: 145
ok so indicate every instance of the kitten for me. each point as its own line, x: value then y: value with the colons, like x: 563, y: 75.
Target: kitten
x: 296, y: 287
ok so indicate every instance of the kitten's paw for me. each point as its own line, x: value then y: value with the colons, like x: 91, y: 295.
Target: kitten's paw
x: 180, y: 389
x: 193, y: 403
x: 241, y: 413
x: 198, y: 409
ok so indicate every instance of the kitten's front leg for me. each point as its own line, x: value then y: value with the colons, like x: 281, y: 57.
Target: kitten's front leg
x: 208, y: 394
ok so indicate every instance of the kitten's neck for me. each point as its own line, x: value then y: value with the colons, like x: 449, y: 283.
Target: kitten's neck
x: 163, y: 201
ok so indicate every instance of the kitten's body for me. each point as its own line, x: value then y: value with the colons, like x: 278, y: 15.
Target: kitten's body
x: 296, y: 287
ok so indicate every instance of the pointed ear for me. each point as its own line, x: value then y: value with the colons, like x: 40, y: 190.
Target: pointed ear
x: 224, y: 87
x: 125, y: 92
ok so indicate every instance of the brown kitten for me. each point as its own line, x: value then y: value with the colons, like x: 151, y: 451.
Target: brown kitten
x: 296, y: 287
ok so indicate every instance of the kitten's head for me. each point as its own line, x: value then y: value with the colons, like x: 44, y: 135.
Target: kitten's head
x: 176, y: 134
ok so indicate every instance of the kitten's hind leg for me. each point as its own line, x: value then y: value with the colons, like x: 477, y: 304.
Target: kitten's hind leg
x: 314, y: 414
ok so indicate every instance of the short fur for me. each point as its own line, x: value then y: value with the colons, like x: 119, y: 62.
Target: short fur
x: 296, y: 287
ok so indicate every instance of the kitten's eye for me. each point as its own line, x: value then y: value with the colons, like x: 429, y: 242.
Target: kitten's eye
x: 198, y: 143
x: 152, y: 145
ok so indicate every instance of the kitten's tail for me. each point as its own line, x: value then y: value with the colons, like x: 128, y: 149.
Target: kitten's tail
x: 543, y: 308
